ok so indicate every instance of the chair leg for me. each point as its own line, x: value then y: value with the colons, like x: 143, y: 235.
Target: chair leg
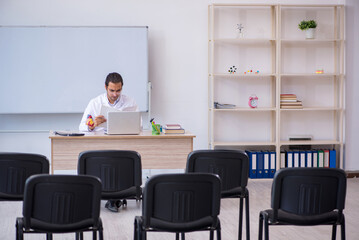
x: 248, y: 231
x: 100, y: 229
x: 266, y: 227
x: 240, y: 218
x: 260, y: 227
x: 19, y: 229
x: 48, y: 236
x: 334, y: 231
x: 182, y: 236
x: 211, y: 234
x: 100, y: 233
x: 144, y: 235
x: 94, y: 235
x: 139, y: 234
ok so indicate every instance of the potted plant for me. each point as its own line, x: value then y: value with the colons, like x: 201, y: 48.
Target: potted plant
x: 308, y: 27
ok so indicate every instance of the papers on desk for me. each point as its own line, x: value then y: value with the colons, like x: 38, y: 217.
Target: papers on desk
x: 69, y: 133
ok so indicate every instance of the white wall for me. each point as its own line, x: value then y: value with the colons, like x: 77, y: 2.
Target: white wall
x: 177, y: 59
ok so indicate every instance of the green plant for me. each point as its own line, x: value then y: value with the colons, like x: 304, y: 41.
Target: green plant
x: 304, y: 25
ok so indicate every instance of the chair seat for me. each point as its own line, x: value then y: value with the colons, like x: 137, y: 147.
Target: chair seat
x: 304, y: 220
x: 234, y: 193
x: 10, y: 197
x: 187, y: 226
x: 60, y: 228
x: 129, y: 192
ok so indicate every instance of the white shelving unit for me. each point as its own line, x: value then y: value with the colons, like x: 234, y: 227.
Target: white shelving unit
x: 272, y: 44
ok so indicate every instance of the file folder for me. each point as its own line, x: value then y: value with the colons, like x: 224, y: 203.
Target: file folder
x: 309, y: 156
x: 320, y: 158
x: 326, y: 158
x: 260, y: 165
x: 252, y: 164
x: 266, y: 164
x: 303, y: 160
x: 315, y: 158
x: 295, y: 159
x: 282, y: 160
x: 273, y: 163
x: 332, y: 158
x: 289, y: 159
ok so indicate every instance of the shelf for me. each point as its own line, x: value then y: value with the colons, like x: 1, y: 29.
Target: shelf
x: 242, y: 75
x: 310, y: 41
x: 271, y: 42
x: 313, y: 109
x: 316, y: 75
x: 243, y: 40
x: 315, y: 142
x: 243, y: 109
x: 243, y: 143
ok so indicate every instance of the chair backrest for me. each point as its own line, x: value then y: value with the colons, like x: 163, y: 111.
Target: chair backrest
x: 181, y: 198
x: 232, y: 166
x: 15, y: 168
x: 61, y: 203
x: 117, y: 169
x: 308, y: 191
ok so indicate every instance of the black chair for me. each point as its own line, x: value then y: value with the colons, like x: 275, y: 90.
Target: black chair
x: 15, y: 168
x: 61, y: 204
x: 306, y: 197
x: 232, y: 166
x: 180, y: 203
x: 120, y: 172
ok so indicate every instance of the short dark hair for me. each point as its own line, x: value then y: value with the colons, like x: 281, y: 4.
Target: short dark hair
x: 114, y: 78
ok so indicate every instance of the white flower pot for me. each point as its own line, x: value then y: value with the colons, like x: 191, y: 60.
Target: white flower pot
x: 310, y: 33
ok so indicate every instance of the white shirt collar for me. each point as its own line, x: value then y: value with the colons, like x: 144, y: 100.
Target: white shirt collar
x: 115, y: 102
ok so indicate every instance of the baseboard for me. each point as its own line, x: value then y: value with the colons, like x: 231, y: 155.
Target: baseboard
x: 352, y: 174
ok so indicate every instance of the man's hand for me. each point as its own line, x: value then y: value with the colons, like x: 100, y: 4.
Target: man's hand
x: 98, y: 120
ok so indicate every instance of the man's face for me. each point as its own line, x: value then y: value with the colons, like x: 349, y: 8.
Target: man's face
x: 113, y: 91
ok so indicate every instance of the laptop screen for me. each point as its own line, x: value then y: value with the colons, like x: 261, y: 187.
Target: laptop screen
x: 123, y: 122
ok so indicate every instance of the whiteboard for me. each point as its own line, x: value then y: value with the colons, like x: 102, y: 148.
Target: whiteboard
x: 60, y: 69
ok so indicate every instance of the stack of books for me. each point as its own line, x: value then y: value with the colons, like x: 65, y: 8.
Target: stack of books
x: 290, y: 101
x: 173, y: 129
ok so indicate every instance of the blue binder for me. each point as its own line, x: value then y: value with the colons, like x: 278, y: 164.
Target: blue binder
x: 302, y: 159
x: 315, y: 158
x: 260, y: 165
x: 273, y: 163
x: 332, y: 158
x: 283, y: 161
x: 309, y: 157
x: 296, y: 159
x: 289, y: 159
x: 252, y: 164
x: 266, y: 164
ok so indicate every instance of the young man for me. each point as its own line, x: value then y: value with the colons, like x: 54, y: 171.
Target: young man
x: 112, y: 98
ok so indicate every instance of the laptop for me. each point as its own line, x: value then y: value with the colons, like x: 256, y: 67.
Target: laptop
x: 123, y: 123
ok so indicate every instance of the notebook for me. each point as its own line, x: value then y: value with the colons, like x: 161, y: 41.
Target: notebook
x: 123, y: 123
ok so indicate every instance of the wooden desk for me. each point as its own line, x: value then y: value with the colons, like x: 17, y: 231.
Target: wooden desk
x: 157, y: 151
